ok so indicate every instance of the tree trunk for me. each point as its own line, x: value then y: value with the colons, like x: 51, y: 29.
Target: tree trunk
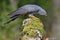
x: 56, y: 23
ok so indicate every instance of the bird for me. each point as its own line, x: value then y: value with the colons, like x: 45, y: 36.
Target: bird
x: 26, y: 9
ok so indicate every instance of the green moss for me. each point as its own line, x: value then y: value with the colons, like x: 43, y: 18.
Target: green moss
x: 35, y: 23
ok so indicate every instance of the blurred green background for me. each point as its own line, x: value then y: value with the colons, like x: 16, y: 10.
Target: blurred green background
x: 10, y: 31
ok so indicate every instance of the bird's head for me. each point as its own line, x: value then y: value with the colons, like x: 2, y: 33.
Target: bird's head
x: 42, y: 12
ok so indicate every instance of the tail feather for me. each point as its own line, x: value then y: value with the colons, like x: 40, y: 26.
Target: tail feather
x: 12, y: 19
x: 14, y: 16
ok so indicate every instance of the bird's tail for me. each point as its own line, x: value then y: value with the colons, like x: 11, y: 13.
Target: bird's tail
x: 12, y: 19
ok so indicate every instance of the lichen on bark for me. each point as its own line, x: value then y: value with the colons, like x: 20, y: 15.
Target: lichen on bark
x: 32, y: 24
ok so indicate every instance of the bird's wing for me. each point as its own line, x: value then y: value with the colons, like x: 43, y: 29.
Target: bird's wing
x: 20, y: 11
x: 15, y: 15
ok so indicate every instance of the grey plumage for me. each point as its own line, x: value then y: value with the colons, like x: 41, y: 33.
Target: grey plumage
x: 27, y: 9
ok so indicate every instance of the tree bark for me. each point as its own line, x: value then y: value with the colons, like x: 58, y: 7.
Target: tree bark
x: 56, y: 23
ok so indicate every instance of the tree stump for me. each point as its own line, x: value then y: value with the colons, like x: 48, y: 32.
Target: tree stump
x: 33, y: 29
